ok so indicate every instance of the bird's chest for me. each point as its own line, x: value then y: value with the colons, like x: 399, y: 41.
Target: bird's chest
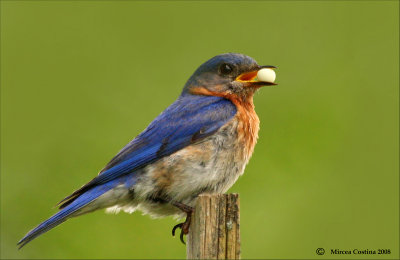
x: 234, y: 144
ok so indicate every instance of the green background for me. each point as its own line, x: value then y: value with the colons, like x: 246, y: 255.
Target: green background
x: 82, y: 78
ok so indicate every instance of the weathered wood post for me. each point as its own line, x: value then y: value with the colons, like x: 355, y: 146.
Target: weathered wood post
x: 215, y: 231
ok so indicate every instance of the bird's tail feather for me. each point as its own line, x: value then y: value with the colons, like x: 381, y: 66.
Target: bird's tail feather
x: 73, y: 209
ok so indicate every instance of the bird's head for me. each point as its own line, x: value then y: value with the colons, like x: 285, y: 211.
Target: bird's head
x: 229, y: 75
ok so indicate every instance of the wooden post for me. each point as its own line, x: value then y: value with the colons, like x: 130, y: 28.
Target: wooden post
x: 214, y: 231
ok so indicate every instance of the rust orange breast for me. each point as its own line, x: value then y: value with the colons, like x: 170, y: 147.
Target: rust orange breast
x: 248, y: 125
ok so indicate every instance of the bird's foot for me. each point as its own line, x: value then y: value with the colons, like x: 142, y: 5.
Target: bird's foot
x: 184, y: 227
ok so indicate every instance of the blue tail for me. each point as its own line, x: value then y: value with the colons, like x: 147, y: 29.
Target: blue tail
x: 66, y: 212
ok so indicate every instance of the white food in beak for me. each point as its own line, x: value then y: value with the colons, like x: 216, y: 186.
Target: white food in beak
x: 266, y: 75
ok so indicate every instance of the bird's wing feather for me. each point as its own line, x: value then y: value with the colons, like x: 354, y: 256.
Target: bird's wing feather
x: 188, y: 120
x: 69, y: 211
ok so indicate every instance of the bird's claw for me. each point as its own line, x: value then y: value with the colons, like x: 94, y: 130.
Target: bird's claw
x: 175, y: 227
x: 184, y: 229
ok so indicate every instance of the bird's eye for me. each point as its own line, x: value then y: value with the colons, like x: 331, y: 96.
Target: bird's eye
x: 226, y: 69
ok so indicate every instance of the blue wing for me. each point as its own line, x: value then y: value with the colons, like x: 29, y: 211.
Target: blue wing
x: 188, y: 120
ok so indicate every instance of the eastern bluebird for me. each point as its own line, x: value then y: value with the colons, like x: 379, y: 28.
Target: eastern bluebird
x: 199, y: 144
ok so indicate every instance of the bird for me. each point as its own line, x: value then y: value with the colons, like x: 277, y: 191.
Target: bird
x: 200, y: 144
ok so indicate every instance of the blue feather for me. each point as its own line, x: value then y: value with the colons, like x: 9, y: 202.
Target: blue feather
x: 65, y: 213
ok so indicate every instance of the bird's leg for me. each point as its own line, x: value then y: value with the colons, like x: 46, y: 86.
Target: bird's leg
x: 185, y: 225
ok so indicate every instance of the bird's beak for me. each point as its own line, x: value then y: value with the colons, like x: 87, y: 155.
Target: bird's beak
x: 250, y: 79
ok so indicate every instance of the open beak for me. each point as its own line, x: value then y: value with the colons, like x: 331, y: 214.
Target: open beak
x: 251, y: 79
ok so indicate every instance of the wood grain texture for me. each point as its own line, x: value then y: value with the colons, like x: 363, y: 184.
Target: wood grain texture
x: 215, y: 229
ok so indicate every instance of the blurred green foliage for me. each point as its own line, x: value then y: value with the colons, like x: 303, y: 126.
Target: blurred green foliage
x: 82, y: 78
